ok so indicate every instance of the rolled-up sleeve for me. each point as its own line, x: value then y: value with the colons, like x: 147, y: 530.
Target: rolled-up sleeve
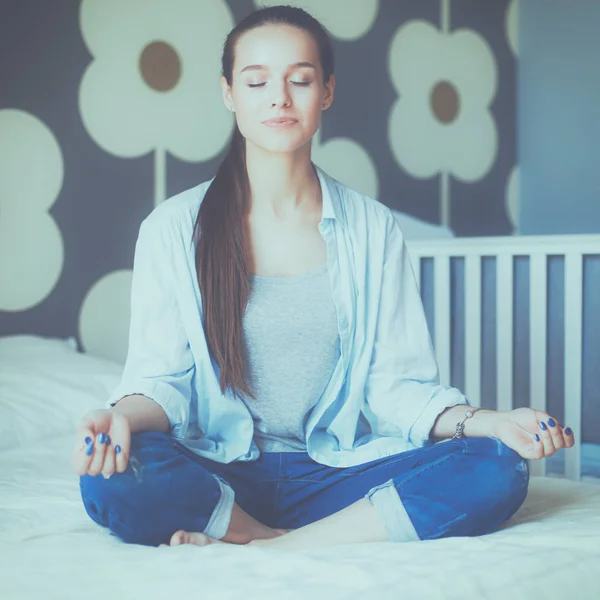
x: 159, y: 362
x: 403, y: 388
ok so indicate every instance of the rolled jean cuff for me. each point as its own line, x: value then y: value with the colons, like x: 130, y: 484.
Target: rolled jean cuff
x: 221, y: 516
x: 397, y: 523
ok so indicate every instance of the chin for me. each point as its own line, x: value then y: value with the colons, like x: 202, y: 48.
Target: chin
x: 282, y: 145
x: 280, y: 141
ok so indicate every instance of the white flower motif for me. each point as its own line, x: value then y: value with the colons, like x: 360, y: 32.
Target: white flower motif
x: 441, y: 122
x: 344, y: 19
x: 348, y: 162
x: 104, y: 316
x: 31, y: 177
x: 513, y: 197
x: 153, y: 83
x: 512, y: 26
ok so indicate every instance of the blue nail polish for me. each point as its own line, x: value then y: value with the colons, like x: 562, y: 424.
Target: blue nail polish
x: 537, y: 437
x: 551, y: 422
x: 88, y: 440
x: 102, y: 438
x: 118, y: 449
x: 89, y: 449
x: 543, y: 426
x: 568, y: 431
x: 108, y: 440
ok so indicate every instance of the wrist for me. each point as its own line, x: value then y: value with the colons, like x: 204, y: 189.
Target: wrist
x: 483, y: 423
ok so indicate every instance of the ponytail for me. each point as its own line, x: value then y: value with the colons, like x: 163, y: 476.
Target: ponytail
x: 221, y: 238
x: 221, y: 233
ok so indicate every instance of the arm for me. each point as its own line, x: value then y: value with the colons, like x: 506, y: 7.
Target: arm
x: 403, y: 388
x: 481, y: 424
x: 156, y: 382
x: 143, y: 414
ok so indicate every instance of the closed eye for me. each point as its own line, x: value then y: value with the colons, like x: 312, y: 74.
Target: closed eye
x: 301, y: 83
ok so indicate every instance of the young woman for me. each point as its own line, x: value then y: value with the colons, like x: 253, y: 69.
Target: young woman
x: 280, y: 386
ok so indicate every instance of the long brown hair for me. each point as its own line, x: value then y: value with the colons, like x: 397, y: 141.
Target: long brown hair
x: 221, y: 229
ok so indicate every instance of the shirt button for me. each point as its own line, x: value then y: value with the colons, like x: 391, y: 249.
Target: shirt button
x: 343, y: 322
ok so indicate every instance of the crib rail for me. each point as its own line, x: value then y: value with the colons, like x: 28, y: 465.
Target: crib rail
x: 504, y: 250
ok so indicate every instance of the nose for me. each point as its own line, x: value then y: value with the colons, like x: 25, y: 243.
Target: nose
x: 281, y: 97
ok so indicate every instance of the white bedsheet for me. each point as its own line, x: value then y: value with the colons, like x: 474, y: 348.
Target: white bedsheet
x: 50, y: 549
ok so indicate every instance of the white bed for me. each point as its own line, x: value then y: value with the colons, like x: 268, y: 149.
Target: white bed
x: 50, y: 549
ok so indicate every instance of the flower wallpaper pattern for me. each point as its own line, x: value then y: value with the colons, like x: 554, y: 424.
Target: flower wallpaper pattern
x: 108, y: 107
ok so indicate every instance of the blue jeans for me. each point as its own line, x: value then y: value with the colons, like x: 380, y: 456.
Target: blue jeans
x: 463, y: 487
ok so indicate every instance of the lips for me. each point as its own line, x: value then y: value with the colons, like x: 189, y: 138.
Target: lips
x: 279, y: 122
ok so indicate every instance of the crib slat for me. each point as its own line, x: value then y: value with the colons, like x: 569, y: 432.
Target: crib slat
x: 504, y: 331
x: 537, y: 341
x: 442, y: 316
x: 573, y: 358
x: 473, y: 328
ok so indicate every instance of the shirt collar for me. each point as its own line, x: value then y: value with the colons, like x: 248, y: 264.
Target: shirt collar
x: 330, y: 197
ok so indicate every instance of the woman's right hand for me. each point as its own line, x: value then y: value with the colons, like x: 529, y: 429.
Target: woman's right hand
x: 102, y: 443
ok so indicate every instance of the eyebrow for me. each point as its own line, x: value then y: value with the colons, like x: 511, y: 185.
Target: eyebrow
x: 264, y: 67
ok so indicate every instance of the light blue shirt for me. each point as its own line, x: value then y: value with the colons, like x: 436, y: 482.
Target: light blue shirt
x: 384, y: 394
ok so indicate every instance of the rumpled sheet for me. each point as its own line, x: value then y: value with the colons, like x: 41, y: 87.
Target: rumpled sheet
x: 50, y: 549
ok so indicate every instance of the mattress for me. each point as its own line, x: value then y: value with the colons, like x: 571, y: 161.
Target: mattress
x: 50, y: 549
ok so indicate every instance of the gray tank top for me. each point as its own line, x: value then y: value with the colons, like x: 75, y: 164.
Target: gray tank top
x: 292, y: 347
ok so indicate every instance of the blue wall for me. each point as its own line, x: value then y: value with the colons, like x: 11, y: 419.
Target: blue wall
x: 559, y: 116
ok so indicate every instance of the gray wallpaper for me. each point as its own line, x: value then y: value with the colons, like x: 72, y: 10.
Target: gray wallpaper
x: 423, y: 120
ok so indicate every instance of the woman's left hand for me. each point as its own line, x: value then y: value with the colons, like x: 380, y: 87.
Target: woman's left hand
x: 532, y: 433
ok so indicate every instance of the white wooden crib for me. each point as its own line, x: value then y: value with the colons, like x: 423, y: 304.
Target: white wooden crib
x: 574, y: 249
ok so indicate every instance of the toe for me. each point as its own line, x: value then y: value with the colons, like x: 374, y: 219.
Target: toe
x: 199, y: 539
x: 178, y: 538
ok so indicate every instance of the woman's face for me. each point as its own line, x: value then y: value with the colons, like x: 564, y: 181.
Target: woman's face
x: 277, y: 74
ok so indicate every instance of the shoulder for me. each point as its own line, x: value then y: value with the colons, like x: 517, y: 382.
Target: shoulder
x: 178, y: 213
x: 361, y: 213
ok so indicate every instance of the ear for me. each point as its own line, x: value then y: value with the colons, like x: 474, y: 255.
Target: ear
x: 328, y: 92
x: 227, y: 98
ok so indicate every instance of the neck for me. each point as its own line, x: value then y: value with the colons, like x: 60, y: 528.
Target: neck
x: 281, y: 183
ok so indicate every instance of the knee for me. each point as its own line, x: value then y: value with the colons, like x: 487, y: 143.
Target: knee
x: 106, y: 501
x: 124, y: 507
x: 504, y: 476
x: 121, y: 501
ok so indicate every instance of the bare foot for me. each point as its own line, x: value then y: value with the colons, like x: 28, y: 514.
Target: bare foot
x: 191, y: 537
x: 200, y: 539
x: 282, y: 531
x: 268, y: 541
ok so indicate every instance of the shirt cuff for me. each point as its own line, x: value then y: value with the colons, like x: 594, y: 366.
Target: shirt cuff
x: 445, y: 398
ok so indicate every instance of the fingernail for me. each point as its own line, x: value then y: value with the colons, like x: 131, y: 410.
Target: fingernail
x: 118, y: 449
x: 543, y: 426
x: 551, y: 422
x: 89, y: 449
x: 568, y: 431
x: 102, y: 438
x: 88, y: 440
x: 107, y: 440
x: 537, y: 437
x: 105, y: 476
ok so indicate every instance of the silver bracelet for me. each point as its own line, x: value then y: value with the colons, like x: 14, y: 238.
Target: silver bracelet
x: 461, y: 426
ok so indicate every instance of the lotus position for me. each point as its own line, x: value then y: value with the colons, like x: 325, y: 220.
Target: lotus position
x: 280, y: 387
